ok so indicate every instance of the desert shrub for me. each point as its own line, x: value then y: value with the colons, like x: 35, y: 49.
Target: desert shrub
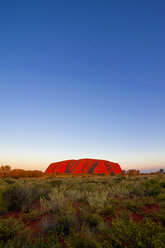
x: 92, y: 219
x: 119, y: 179
x: 55, y: 202
x: 161, y: 215
x: 3, y: 208
x: 3, y: 204
x: 162, y: 205
x: 153, y: 187
x: 42, y: 240
x: 31, y: 216
x: 13, y: 196
x: 119, y: 190
x: 65, y: 219
x: 55, y: 183
x: 109, y: 210
x: 136, y: 189
x: 162, y: 184
x: 83, y: 242
x: 135, y: 205
x: 160, y: 197
x: 39, y: 190
x: 130, y: 234
x: 74, y: 195
x: 84, y: 239
x: 18, y: 196
x: 65, y: 224
x: 97, y: 200
x: 45, y: 189
x: 10, y: 228
x: 8, y: 180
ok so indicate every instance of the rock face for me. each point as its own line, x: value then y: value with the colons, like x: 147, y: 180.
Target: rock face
x: 93, y: 166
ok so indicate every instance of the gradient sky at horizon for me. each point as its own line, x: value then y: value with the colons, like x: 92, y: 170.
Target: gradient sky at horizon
x: 82, y: 79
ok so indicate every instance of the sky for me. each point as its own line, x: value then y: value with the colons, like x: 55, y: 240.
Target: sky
x: 82, y: 79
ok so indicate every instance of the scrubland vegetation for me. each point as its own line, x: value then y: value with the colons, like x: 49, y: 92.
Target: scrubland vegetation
x: 90, y: 212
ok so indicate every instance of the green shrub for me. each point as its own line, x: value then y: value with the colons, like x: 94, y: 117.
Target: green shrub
x: 97, y: 200
x: 3, y: 205
x: 17, y: 196
x: 31, y: 216
x: 108, y: 211
x: 8, y: 180
x: 135, y: 205
x: 154, y: 190
x: 74, y: 195
x: 56, y: 201
x: 83, y: 242
x: 12, y: 197
x: 10, y: 228
x: 3, y: 208
x: 130, y: 234
x: 55, y: 183
x: 65, y: 220
x: 92, y: 219
x: 119, y: 190
x: 160, y: 197
x: 84, y: 239
x: 162, y: 184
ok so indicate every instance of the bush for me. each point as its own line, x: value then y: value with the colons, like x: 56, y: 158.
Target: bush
x: 119, y: 190
x: 160, y: 197
x: 83, y: 242
x: 92, y: 219
x: 10, y: 228
x: 135, y: 205
x: 108, y: 211
x: 8, y: 180
x: 130, y: 234
x: 74, y: 195
x: 55, y: 183
x: 97, y: 200
x: 18, y: 196
x: 11, y: 195
x: 65, y: 219
x: 32, y: 216
x: 153, y: 188
x: 162, y: 184
x: 55, y: 202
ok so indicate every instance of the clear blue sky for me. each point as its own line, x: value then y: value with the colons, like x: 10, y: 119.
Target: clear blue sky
x: 82, y: 79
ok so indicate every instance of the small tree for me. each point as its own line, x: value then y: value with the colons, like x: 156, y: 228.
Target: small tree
x: 123, y: 172
x: 161, y: 171
x: 133, y: 172
x: 4, y: 171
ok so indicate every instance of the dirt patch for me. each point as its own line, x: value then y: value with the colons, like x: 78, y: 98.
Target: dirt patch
x: 151, y: 208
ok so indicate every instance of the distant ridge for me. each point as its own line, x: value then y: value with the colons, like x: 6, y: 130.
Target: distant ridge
x: 92, y: 166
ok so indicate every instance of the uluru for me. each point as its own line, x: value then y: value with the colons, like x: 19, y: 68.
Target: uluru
x: 92, y: 166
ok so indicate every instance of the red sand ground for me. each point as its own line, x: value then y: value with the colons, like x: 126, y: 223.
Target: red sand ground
x: 92, y: 166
